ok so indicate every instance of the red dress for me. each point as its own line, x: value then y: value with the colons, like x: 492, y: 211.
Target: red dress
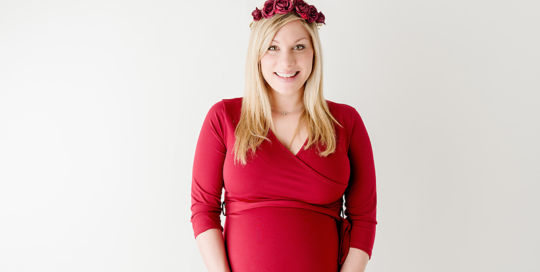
x: 281, y: 208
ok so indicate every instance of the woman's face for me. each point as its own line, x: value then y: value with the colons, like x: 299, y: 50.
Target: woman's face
x: 290, y: 52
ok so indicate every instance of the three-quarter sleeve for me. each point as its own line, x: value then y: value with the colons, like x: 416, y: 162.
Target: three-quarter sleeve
x: 207, y: 175
x: 361, y: 193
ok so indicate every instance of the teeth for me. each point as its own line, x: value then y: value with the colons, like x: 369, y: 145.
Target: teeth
x: 286, y: 75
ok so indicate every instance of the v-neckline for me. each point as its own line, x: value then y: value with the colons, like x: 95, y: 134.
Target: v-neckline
x: 285, y: 148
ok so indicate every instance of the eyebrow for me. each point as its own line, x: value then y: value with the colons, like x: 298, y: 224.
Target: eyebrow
x: 294, y: 42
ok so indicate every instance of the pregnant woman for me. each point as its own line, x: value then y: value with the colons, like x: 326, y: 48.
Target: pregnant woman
x: 287, y: 159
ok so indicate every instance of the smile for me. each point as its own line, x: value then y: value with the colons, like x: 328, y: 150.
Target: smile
x: 287, y: 76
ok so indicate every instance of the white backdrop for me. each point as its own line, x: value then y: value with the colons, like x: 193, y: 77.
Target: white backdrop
x: 101, y: 104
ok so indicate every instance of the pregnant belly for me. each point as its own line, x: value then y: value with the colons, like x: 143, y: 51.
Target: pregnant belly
x: 281, y: 239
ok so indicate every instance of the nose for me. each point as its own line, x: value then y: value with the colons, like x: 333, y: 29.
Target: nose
x: 286, y: 59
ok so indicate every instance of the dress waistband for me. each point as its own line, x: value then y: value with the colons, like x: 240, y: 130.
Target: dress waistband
x: 236, y: 206
x: 344, y: 226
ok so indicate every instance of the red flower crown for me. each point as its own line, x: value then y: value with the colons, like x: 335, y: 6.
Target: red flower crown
x: 272, y: 7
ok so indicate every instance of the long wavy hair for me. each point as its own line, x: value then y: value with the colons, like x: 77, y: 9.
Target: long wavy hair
x: 256, y: 116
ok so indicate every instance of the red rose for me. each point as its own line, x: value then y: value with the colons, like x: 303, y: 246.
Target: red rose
x: 301, y: 8
x: 268, y: 9
x: 312, y: 14
x: 284, y: 6
x: 256, y: 14
x: 320, y: 18
x: 272, y: 7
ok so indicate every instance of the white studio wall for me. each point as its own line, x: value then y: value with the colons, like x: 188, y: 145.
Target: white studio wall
x: 101, y: 103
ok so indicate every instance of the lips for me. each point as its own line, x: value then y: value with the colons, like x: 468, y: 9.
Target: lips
x: 287, y: 79
x: 287, y: 73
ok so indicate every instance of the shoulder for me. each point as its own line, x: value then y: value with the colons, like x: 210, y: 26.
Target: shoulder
x: 340, y: 107
x: 349, y: 116
x: 343, y: 111
x: 233, y: 104
x: 223, y: 106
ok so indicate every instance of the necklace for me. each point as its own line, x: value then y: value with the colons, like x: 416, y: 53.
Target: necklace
x: 286, y: 112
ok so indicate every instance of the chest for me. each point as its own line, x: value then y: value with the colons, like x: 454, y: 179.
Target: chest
x: 276, y: 173
x: 290, y: 131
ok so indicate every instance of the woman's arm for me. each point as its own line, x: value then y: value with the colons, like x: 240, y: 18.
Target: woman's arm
x: 360, y: 197
x: 206, y: 189
x: 356, y: 261
x: 212, y: 250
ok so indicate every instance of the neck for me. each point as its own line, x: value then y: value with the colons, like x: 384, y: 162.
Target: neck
x: 287, y: 102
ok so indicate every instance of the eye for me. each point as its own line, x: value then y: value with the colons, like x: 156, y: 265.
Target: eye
x: 302, y: 47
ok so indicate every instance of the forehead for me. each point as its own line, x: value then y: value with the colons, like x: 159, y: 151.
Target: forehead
x: 291, y: 32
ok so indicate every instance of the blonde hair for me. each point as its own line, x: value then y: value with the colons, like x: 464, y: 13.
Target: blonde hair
x: 256, y: 116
